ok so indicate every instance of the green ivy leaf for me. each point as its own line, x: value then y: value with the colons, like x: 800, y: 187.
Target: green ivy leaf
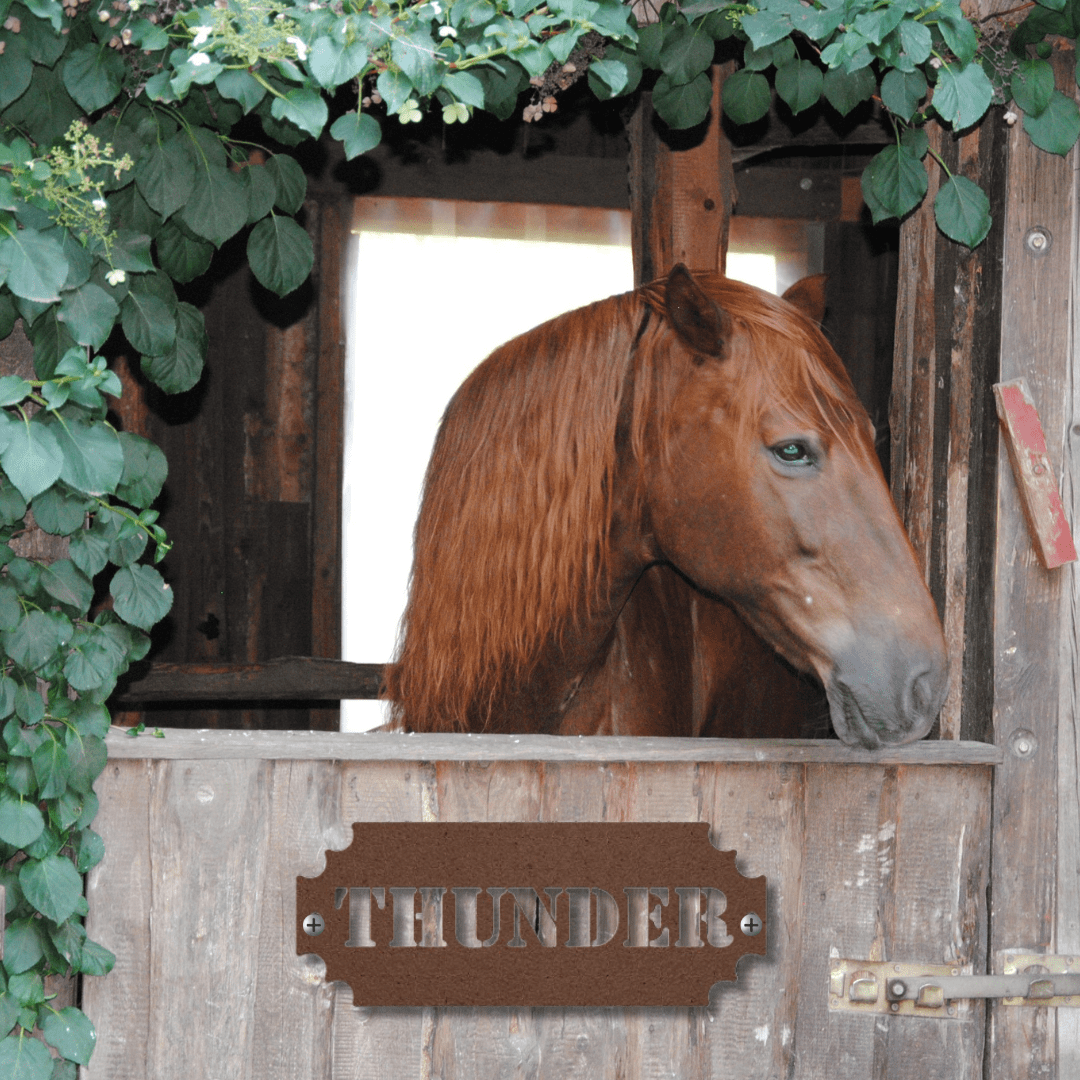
x: 10, y: 614
x: 333, y: 62
x: 148, y: 323
x: 217, y: 208
x: 289, y: 182
x: 89, y: 313
x: 93, y: 75
x: 87, y: 756
x: 844, y: 90
x: 304, y: 108
x: 32, y: 457
x: 22, y: 945
x: 687, y: 52
x: 92, y: 458
x: 71, y: 1033
x: 21, y: 822
x: 145, y: 470
x: 89, y: 553
x: 1057, y: 127
x: 16, y: 71
x: 261, y: 191
x: 896, y: 181
x: 901, y: 92
x: 8, y: 315
x: 96, y: 959
x: 958, y: 33
x: 394, y: 88
x: 45, y: 108
x: 684, y: 105
x: 1033, y: 85
x: 746, y: 97
x: 165, y: 174
x: 60, y: 512
x: 766, y: 27
x: 140, y: 596
x: 24, y: 1058
x: 33, y: 641
x: 469, y: 89
x: 280, y: 254
x: 13, y: 389
x: 180, y: 368
x: 962, y: 95
x: 52, y: 885
x: 358, y: 132
x: 962, y: 211
x: 51, y: 340
x: 182, y: 256
x: 240, y: 86
x: 66, y: 584
x: 35, y: 265
x: 51, y: 768
x: 799, y: 83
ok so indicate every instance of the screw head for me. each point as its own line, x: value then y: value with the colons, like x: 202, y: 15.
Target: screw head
x: 898, y: 988
x: 1038, y: 241
x: 1023, y: 743
x: 806, y: 183
x: 751, y: 925
x: 314, y: 924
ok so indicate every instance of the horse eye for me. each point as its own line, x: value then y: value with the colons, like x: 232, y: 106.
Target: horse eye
x: 793, y: 453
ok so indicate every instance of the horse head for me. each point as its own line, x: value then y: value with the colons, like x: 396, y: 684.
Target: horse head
x: 759, y: 482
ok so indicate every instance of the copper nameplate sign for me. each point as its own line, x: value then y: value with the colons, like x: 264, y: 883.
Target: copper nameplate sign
x: 530, y: 914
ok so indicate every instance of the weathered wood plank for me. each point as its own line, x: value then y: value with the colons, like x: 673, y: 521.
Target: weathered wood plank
x: 1031, y: 615
x: 188, y: 744
x: 295, y: 678
x: 199, y: 908
x: 680, y: 194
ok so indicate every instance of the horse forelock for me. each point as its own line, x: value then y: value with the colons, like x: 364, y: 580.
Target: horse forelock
x: 512, y: 540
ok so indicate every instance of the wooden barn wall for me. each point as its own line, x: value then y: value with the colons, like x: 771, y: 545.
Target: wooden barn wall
x: 252, y: 503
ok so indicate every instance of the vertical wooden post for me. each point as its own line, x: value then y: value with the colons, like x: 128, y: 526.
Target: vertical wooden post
x: 1035, y: 902
x: 943, y: 420
x: 682, y: 188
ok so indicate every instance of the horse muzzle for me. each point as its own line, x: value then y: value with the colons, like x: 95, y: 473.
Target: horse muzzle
x: 886, y: 695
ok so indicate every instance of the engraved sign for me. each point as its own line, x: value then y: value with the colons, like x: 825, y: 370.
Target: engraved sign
x: 585, y: 914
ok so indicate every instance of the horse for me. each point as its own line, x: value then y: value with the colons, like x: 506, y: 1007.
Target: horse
x: 637, y: 509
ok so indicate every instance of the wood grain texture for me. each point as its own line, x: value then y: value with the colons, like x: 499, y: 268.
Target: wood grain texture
x: 198, y: 887
x: 1032, y: 615
x: 682, y: 188
x: 185, y: 744
x: 305, y: 678
x: 942, y: 421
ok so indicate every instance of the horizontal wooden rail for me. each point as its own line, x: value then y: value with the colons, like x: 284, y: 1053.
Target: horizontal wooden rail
x: 288, y: 678
x: 189, y: 744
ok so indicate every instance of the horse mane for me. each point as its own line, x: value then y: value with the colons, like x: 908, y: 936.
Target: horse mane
x: 512, y: 539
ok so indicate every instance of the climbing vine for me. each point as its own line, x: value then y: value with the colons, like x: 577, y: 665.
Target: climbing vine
x: 137, y: 137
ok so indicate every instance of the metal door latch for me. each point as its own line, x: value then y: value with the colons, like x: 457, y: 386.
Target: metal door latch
x: 865, y: 986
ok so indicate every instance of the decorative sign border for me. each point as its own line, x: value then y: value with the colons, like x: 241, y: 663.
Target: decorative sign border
x: 531, y: 914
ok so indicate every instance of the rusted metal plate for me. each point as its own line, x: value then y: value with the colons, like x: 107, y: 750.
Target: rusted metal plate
x: 1034, y: 474
x: 571, y: 914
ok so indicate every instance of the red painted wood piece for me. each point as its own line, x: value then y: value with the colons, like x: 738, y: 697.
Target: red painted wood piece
x: 1035, y: 477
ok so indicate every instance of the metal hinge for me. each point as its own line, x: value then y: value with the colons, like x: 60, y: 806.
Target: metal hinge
x: 867, y: 986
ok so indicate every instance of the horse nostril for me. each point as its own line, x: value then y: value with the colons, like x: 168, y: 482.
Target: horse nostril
x: 924, y: 693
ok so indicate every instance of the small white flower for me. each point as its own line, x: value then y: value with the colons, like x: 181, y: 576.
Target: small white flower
x: 103, y: 16
x: 99, y: 204
x: 198, y: 59
x: 280, y: 17
x: 447, y: 31
x: 202, y: 33
x: 134, y: 5
x: 115, y: 277
x: 409, y: 113
x: 1011, y: 118
x: 314, y: 5
x: 455, y: 113
x: 301, y: 48
x: 436, y: 7
x: 936, y: 62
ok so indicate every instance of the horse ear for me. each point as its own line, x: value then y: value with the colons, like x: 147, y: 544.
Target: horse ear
x: 808, y: 295
x: 695, y: 318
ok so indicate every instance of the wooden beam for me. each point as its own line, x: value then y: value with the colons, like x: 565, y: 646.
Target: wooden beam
x: 682, y: 188
x: 187, y: 744
x: 288, y: 678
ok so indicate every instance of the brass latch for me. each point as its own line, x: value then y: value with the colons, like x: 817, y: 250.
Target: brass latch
x: 940, y: 990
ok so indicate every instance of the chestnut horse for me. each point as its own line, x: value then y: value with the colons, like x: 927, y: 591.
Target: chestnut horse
x: 608, y: 490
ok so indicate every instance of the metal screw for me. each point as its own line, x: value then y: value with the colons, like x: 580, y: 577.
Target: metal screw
x: 952, y: 1010
x: 314, y: 924
x: 898, y: 989
x: 895, y: 1006
x: 1038, y: 241
x: 1023, y: 743
x: 806, y: 183
x: 751, y: 925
